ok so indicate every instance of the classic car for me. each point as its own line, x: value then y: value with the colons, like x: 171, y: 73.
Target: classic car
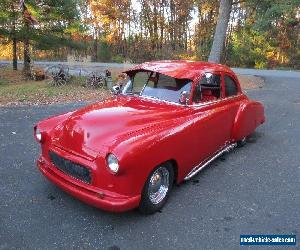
x: 166, y: 123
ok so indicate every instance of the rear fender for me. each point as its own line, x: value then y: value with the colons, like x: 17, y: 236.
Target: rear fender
x: 249, y: 116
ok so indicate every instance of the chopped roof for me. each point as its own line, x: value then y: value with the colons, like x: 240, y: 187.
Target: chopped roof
x: 180, y: 69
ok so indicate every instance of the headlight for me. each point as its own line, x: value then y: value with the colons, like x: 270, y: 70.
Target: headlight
x: 112, y: 163
x: 38, y: 135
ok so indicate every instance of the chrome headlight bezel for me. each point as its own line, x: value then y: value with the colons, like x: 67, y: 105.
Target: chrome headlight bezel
x: 112, y: 163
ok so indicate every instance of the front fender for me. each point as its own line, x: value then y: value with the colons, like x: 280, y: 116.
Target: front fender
x: 249, y: 116
x: 143, y: 151
x: 48, y: 124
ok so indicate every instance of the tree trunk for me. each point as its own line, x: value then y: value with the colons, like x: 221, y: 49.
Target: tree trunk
x: 96, y: 45
x: 14, y: 39
x: 27, y: 59
x: 26, y: 69
x: 15, y: 59
x: 220, y: 33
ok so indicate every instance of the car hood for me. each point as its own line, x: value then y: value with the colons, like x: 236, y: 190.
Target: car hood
x: 95, y: 128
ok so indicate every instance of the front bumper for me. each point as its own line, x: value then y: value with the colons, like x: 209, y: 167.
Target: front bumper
x: 89, y: 194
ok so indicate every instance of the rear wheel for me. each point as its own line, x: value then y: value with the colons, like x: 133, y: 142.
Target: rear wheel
x: 157, y: 189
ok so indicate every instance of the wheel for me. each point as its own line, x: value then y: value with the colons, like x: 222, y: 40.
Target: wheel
x: 157, y: 189
x: 242, y: 142
x: 60, y: 82
x: 90, y: 80
x: 53, y: 80
x: 100, y: 83
x: 94, y: 80
x: 58, y: 75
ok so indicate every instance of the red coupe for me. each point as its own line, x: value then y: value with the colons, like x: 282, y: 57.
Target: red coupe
x: 166, y: 123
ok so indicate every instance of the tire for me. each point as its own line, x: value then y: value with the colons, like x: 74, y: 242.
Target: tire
x: 155, y: 195
x: 242, y: 142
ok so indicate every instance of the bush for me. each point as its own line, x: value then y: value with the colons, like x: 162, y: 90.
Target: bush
x: 39, y: 74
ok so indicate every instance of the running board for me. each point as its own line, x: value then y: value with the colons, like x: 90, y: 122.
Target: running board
x: 203, y: 164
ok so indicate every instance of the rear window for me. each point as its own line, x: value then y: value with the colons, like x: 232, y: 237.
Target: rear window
x: 230, y: 86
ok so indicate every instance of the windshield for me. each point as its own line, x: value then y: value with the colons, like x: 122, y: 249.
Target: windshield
x: 155, y: 85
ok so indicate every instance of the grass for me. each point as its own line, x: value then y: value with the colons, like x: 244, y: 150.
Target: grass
x: 15, y: 90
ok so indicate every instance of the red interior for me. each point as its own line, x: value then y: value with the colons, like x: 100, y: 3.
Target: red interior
x: 207, y: 95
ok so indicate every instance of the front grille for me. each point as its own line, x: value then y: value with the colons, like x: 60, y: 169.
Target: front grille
x: 75, y: 170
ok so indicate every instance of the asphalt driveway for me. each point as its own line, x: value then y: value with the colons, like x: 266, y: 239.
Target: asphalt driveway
x: 252, y: 190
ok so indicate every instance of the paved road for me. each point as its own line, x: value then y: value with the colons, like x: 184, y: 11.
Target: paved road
x: 254, y: 189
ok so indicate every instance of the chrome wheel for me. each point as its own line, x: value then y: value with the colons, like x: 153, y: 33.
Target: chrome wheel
x: 158, y: 185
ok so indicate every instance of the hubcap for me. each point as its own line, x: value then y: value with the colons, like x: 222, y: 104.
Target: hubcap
x: 159, y: 185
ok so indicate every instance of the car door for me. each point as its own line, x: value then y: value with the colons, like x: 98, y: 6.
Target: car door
x: 211, y: 124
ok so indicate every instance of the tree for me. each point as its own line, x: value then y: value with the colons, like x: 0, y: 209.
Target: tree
x: 43, y: 24
x: 203, y: 37
x: 264, y: 34
x: 109, y: 20
x: 9, y: 22
x: 220, y: 33
x: 249, y: 33
x: 28, y: 20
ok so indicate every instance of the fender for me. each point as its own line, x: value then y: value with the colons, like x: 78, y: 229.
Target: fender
x: 48, y: 124
x: 136, y: 156
x: 249, y: 116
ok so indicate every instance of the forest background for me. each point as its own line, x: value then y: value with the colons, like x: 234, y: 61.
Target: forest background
x: 258, y: 33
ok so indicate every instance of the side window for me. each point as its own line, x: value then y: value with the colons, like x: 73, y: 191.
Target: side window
x: 208, y: 88
x: 230, y: 86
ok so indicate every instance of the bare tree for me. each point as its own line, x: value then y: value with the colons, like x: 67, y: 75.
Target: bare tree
x: 220, y: 33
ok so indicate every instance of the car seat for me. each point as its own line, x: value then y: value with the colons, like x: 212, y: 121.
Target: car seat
x: 207, y: 95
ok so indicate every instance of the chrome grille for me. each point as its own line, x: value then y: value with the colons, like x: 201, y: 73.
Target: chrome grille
x: 70, y: 168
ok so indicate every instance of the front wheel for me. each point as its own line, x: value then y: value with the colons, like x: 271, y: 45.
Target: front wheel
x: 157, y: 189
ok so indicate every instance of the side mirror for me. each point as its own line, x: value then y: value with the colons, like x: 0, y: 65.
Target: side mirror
x: 116, y: 89
x: 184, y: 98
